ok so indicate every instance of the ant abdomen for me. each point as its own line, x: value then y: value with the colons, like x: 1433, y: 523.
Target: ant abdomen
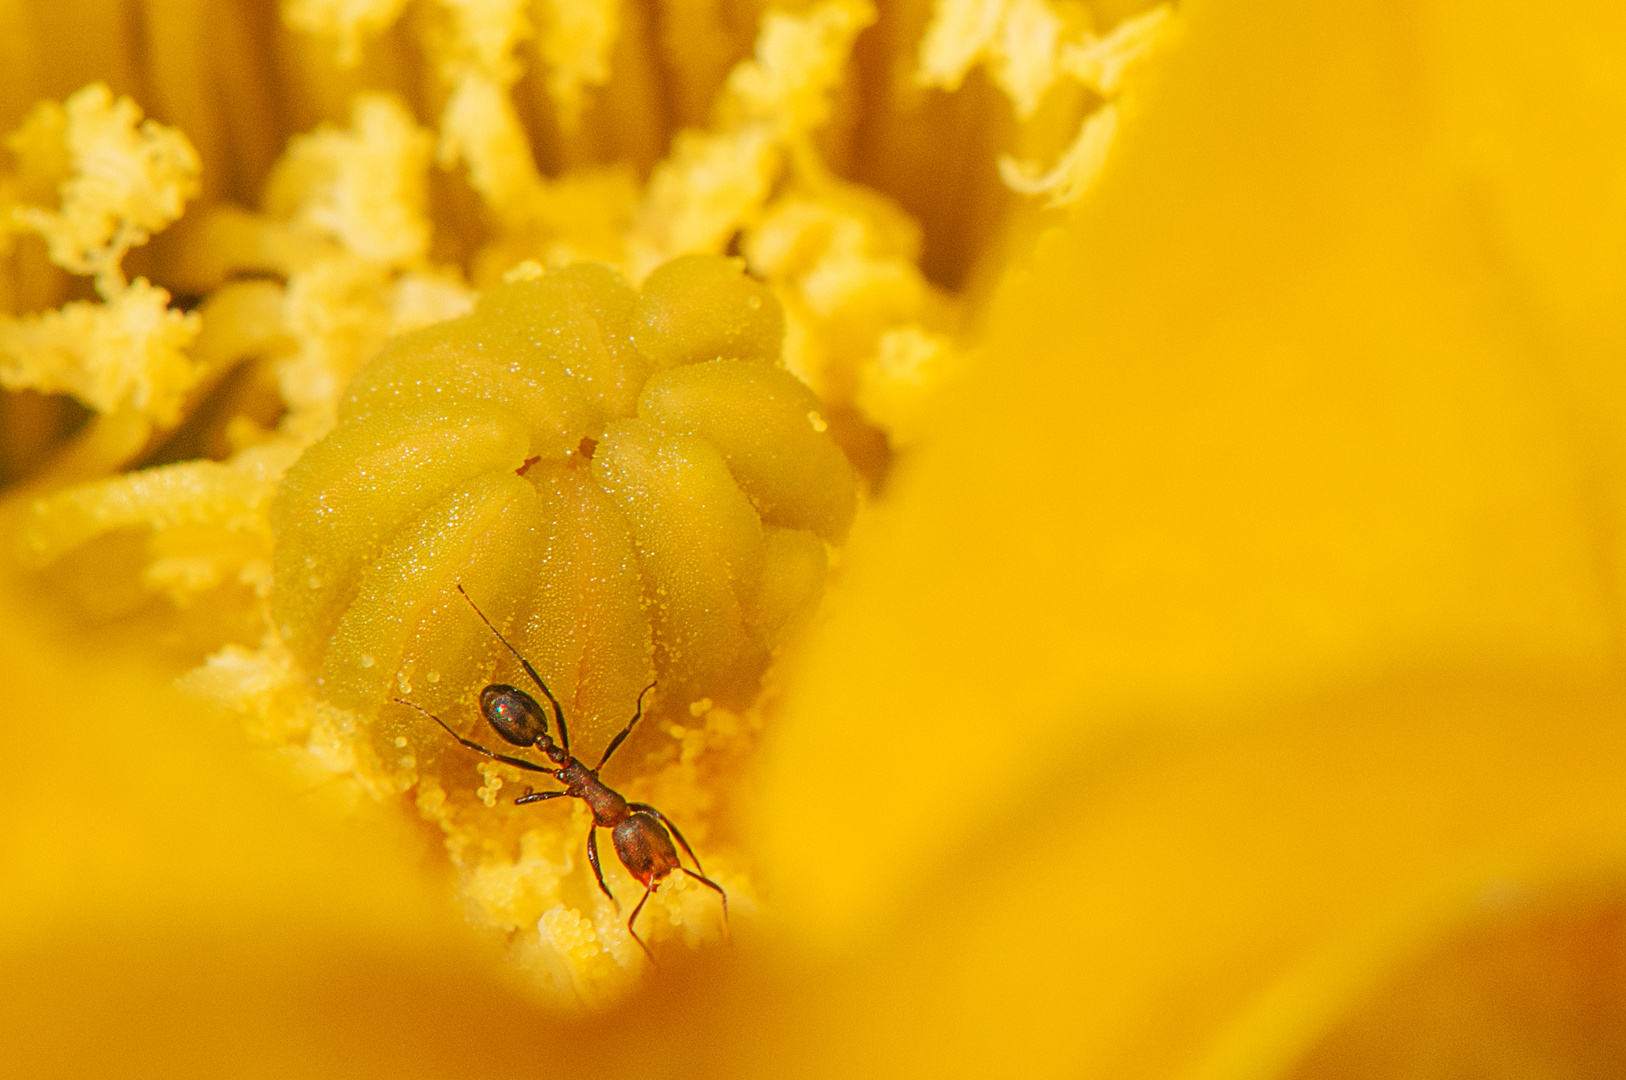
x: 644, y: 847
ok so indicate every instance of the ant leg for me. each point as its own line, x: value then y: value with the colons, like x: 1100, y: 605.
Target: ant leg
x: 504, y: 758
x: 539, y: 796
x: 619, y: 739
x: 592, y: 859
x: 633, y: 918
x: 664, y: 820
x: 710, y: 884
x: 558, y: 713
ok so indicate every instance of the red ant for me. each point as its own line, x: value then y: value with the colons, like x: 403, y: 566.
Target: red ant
x: 638, y: 830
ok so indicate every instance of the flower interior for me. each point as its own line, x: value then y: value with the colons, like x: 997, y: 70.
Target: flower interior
x: 611, y: 315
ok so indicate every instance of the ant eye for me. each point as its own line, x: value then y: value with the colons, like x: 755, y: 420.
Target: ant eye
x: 514, y: 714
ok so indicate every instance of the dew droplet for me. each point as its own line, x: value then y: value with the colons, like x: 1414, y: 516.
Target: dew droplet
x: 314, y: 582
x: 400, y: 742
x: 818, y: 422
x: 366, y: 661
x: 434, y: 676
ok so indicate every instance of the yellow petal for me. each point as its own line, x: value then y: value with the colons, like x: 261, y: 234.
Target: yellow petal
x: 1258, y: 620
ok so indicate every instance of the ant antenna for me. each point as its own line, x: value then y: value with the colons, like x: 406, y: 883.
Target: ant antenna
x: 558, y: 713
x: 472, y: 745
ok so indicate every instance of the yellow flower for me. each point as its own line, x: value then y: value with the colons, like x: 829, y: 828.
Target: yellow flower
x: 1225, y: 684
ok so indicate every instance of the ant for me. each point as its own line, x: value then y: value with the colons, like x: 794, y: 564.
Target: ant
x: 639, y: 831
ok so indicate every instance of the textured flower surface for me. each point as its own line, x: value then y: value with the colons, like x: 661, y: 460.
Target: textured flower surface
x: 1226, y: 681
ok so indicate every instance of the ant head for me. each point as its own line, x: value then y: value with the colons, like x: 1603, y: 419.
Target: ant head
x: 515, y: 714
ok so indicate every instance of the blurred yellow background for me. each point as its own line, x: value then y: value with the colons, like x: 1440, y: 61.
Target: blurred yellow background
x: 1229, y: 686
